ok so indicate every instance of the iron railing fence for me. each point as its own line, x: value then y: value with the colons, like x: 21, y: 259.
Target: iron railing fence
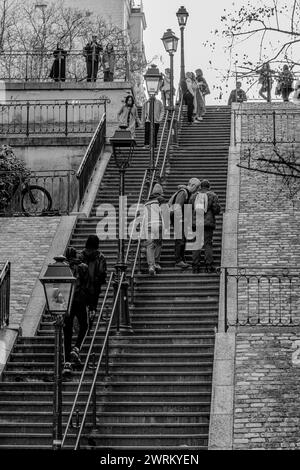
x: 266, y: 296
x: 42, y: 193
x: 267, y: 127
x: 5, y: 294
x: 55, y: 117
x: 23, y: 66
x: 91, y: 157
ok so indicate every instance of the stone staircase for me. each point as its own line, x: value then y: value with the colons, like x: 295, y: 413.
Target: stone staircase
x: 159, y: 391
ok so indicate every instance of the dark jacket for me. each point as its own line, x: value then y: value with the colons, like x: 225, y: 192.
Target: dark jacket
x: 97, y: 272
x: 213, y: 209
x: 93, y: 51
x: 237, y: 96
x: 81, y: 273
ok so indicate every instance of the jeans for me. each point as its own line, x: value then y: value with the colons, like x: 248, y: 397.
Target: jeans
x: 207, y: 248
x: 153, y: 252
x: 78, y: 310
x: 148, y: 130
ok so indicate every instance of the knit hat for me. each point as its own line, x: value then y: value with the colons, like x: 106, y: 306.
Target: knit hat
x: 205, y: 184
x: 157, y: 190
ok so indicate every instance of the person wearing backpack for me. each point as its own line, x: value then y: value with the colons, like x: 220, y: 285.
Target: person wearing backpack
x: 177, y: 203
x: 207, y: 201
x: 78, y: 309
x: 153, y: 229
x: 97, y: 271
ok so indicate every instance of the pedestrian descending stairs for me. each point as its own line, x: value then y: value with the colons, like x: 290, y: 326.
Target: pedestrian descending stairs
x: 159, y: 391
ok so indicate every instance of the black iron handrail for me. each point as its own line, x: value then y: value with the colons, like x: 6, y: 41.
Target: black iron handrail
x: 264, y: 296
x: 91, y: 158
x: 138, y: 251
x: 5, y: 273
x: 281, y: 126
x: 61, y: 117
x: 37, y: 65
x: 105, y: 345
x: 37, y: 193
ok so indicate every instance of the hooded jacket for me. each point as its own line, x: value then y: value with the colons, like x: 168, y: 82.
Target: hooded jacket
x: 96, y: 263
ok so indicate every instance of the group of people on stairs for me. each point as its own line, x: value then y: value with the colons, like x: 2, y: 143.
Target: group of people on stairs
x: 204, y: 204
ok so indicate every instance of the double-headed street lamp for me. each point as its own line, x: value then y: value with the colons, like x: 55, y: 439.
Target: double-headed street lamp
x: 153, y: 80
x: 182, y: 16
x: 123, y: 146
x: 58, y: 282
x: 170, y: 41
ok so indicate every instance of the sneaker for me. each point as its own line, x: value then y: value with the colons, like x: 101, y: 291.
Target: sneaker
x: 75, y: 357
x: 68, y: 369
x: 182, y: 265
x: 152, y: 271
x: 146, y: 147
x: 157, y: 268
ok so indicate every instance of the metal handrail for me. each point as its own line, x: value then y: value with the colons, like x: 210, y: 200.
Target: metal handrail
x: 144, y: 183
x: 87, y: 359
x: 161, y: 173
x: 5, y: 299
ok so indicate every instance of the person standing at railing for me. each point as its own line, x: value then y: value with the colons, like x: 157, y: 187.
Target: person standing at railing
x: 238, y: 95
x: 265, y: 79
x: 92, y: 53
x: 128, y: 116
x: 58, y: 69
x: 284, y: 85
x: 153, y: 229
x: 159, y: 112
x: 208, y: 202
x: 109, y: 60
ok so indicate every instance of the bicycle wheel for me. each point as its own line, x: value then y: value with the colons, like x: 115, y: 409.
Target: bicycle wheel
x: 36, y: 200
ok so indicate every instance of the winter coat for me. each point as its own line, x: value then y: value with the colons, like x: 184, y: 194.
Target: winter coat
x: 129, y: 117
x: 97, y: 271
x: 158, y: 111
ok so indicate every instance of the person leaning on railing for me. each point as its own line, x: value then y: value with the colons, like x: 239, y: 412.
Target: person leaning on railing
x: 58, y: 69
x: 108, y: 61
x: 92, y: 53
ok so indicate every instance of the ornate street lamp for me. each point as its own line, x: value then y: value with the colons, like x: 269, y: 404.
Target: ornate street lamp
x: 170, y: 41
x: 58, y: 282
x: 123, y: 146
x: 153, y: 79
x: 182, y: 16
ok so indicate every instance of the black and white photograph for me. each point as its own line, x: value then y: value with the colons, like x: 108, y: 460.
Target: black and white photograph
x: 149, y: 230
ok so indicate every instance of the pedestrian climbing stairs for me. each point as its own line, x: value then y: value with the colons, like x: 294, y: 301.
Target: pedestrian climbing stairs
x: 159, y: 391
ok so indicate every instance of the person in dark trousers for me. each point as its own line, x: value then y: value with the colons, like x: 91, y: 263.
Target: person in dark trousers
x: 109, y: 60
x: 58, y: 69
x: 178, y: 201
x: 285, y: 83
x: 97, y: 270
x: 146, y: 120
x: 212, y: 208
x: 78, y: 309
x: 92, y: 53
x: 188, y: 100
x: 238, y: 95
x: 153, y: 229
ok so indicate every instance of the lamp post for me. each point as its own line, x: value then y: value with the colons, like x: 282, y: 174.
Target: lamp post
x: 153, y: 79
x: 182, y: 16
x: 170, y: 42
x: 58, y: 282
x: 123, y: 147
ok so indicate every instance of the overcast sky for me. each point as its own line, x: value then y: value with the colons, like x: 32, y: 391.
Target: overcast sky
x: 204, y: 17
